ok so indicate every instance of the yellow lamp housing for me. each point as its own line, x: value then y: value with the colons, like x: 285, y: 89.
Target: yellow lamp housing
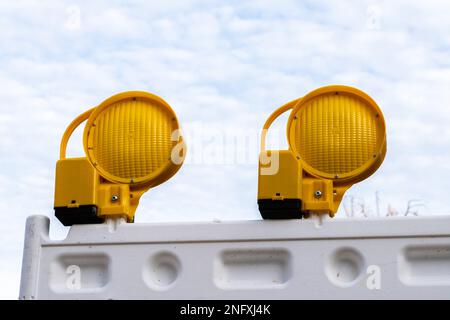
x: 337, y: 137
x: 132, y: 143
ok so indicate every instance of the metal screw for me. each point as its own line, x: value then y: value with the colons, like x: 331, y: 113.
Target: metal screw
x: 114, y: 198
x: 318, y: 194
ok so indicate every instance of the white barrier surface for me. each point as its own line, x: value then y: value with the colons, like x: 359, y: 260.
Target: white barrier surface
x: 395, y: 258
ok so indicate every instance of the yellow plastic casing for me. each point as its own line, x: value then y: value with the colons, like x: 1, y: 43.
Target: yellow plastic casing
x: 284, y: 184
x: 132, y: 142
x: 337, y: 137
x: 76, y: 183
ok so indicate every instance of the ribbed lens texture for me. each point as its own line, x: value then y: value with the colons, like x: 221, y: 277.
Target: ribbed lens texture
x: 132, y: 138
x: 336, y: 133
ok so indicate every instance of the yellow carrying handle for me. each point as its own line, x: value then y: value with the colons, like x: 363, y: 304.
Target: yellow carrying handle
x: 70, y: 129
x: 273, y: 117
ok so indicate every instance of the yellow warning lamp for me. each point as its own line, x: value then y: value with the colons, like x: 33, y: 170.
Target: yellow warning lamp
x: 132, y: 143
x: 337, y: 137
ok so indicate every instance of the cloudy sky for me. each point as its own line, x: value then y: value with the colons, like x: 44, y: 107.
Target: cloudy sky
x: 224, y: 66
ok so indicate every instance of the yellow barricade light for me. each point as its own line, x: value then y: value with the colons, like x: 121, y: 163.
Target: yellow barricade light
x: 337, y: 137
x: 132, y: 143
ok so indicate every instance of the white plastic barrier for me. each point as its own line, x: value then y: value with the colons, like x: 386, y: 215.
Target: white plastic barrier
x: 339, y: 259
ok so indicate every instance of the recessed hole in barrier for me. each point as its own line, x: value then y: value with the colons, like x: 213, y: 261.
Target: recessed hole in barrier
x: 344, y: 267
